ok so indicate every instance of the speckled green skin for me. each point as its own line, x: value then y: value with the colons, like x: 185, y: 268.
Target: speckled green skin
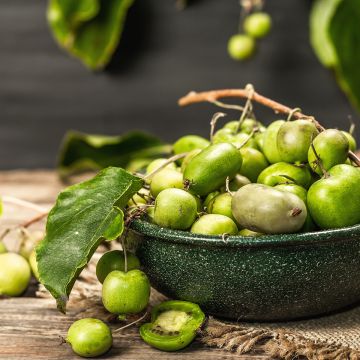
x: 157, y: 163
x: 273, y: 175
x: 190, y: 142
x: 266, y: 278
x: 242, y: 140
x: 115, y: 260
x: 126, y: 293
x: 302, y: 194
x: 175, y: 209
x: 254, y: 162
x: 165, y: 179
x: 208, y: 170
x: 188, y: 157
x: 269, y: 147
x: 267, y: 210
x: 221, y: 204
x: 294, y: 140
x: 332, y: 146
x: 335, y: 201
x: 89, y: 337
x: 223, y: 135
x: 15, y: 274
x: 247, y: 125
x: 214, y: 224
x: 351, y: 140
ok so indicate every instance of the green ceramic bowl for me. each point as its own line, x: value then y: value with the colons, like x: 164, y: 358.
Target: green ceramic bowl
x: 272, y: 277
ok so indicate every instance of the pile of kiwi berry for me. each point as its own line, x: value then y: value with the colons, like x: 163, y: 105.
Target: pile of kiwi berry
x: 250, y: 180
x: 246, y: 180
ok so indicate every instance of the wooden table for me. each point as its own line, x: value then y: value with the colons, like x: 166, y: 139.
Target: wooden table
x: 32, y: 328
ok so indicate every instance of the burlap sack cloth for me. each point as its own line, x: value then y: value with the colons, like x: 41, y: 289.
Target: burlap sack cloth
x: 334, y: 337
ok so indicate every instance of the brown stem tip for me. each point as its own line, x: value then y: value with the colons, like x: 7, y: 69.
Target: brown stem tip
x: 212, y: 96
x: 296, y: 212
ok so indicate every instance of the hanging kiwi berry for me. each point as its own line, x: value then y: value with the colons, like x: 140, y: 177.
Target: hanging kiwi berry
x: 254, y: 24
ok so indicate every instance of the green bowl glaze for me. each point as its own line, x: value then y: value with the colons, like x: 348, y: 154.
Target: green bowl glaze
x: 268, y: 278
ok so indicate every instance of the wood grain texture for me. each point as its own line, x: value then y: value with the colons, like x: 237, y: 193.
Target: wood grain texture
x: 32, y: 328
x: 163, y: 55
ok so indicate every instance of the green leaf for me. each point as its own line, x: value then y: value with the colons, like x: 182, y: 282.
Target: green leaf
x: 134, y: 150
x: 64, y: 16
x: 84, y: 215
x: 88, y: 29
x: 73, y: 13
x: 321, y: 14
x: 345, y: 35
x: 335, y: 37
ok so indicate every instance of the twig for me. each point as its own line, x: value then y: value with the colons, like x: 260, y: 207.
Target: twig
x: 227, y: 186
x: 15, y: 201
x: 19, y: 202
x: 34, y: 220
x: 211, y: 96
x: 213, y: 122
x: 293, y: 111
x: 132, y: 323
x: 164, y: 165
x: 227, y: 106
x: 248, y: 106
x: 23, y: 225
x: 123, y: 239
x: 247, y: 139
x: 318, y: 161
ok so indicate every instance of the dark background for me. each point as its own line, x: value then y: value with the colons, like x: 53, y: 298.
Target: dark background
x: 164, y: 53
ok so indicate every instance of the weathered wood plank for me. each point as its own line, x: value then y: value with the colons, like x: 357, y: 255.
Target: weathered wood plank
x: 32, y: 328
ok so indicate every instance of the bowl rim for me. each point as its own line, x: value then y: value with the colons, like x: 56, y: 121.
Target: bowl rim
x: 278, y: 240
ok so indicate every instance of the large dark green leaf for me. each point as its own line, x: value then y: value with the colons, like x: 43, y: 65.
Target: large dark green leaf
x: 64, y: 16
x: 83, y: 216
x: 73, y: 13
x: 88, y: 29
x: 81, y: 151
x: 335, y: 37
x: 320, y: 17
x: 345, y: 35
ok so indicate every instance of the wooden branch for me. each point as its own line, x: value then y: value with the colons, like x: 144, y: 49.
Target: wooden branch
x: 34, y: 220
x: 211, y: 96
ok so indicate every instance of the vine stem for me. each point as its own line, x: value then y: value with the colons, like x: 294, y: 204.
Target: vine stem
x: 246, y: 140
x: 213, y: 122
x: 227, y: 106
x: 24, y: 225
x: 123, y: 240
x: 34, y: 220
x: 132, y: 323
x: 15, y: 201
x: 212, y: 96
x: 164, y: 165
x: 248, y: 106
